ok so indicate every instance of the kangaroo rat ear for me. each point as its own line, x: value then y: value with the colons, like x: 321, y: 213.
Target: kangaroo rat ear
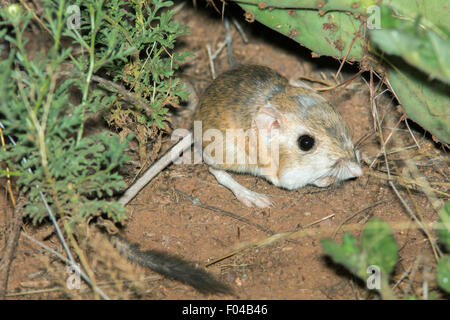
x: 268, y: 121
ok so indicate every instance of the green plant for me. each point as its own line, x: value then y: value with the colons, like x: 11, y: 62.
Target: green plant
x: 408, y: 31
x: 148, y: 31
x: 378, y: 248
x: 418, y: 54
x: 76, y: 171
x: 443, y: 267
x: 424, y: 48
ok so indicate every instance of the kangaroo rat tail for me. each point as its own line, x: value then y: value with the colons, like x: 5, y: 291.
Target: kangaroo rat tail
x: 170, y: 266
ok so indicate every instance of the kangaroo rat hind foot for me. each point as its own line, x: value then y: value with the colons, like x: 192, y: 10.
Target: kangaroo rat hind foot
x: 244, y: 195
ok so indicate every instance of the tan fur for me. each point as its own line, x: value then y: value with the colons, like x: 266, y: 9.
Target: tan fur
x: 234, y: 99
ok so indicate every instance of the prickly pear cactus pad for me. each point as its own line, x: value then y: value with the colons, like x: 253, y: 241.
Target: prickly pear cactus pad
x: 325, y: 33
x: 418, y: 53
x: 409, y: 36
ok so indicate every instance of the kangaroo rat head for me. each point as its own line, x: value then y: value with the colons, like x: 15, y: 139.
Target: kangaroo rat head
x: 314, y: 143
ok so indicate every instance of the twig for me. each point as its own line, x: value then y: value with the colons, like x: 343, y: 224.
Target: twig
x: 389, y: 153
x: 412, y: 134
x: 426, y: 279
x: 82, y: 274
x: 408, y: 209
x: 209, y: 2
x: 156, y: 168
x: 302, y: 231
x: 239, y: 29
x: 404, y: 275
x: 12, y: 239
x: 52, y: 218
x: 50, y: 213
x: 347, y: 53
x: 100, y: 285
x: 427, y: 190
x: 178, y: 7
x: 29, y: 292
x: 211, y: 61
x: 391, y: 184
x: 231, y: 63
x: 223, y: 8
x: 393, y: 130
x: 414, y: 269
x: 219, y: 49
x: 325, y: 83
x: 345, y: 83
x: 357, y: 213
x: 419, y: 223
x: 124, y: 92
x: 223, y: 212
x: 405, y: 181
x: 8, y: 178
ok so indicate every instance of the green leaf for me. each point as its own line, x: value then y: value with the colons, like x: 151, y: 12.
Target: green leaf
x: 443, y: 273
x: 444, y: 226
x: 348, y: 254
x: 378, y: 248
x: 379, y: 244
x: 426, y: 102
x: 426, y: 49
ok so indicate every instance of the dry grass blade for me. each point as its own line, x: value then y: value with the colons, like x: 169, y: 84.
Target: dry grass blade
x: 303, y: 232
x: 211, y: 61
x: 356, y: 34
x: 409, y: 182
x: 267, y: 241
x: 11, y: 194
x: 11, y: 241
x: 82, y: 274
x: 355, y: 214
x: 418, y: 218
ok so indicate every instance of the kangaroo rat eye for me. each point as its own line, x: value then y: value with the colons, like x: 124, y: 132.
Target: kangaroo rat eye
x: 306, y: 142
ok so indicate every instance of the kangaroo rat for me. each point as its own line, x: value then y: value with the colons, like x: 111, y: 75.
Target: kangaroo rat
x: 312, y: 142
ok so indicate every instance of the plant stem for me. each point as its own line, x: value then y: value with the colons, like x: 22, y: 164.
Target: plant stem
x: 92, y: 13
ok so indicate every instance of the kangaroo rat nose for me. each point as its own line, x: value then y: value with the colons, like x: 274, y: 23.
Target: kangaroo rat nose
x: 282, y: 131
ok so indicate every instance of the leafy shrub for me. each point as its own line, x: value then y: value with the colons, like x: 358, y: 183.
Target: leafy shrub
x: 127, y: 41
